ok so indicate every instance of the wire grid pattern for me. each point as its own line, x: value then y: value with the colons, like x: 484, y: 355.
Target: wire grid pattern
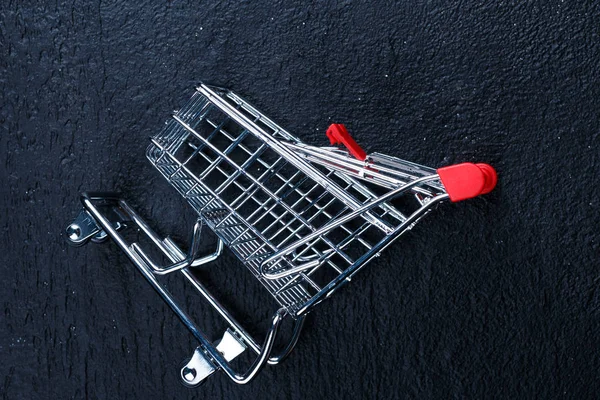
x: 257, y: 202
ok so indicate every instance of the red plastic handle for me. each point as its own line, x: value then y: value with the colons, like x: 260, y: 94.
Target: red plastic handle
x: 467, y: 180
x: 337, y: 133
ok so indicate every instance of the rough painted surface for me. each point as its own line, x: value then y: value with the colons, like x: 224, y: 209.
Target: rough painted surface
x: 497, y: 297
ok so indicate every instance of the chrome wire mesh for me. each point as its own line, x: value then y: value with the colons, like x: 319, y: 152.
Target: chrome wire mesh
x: 261, y: 189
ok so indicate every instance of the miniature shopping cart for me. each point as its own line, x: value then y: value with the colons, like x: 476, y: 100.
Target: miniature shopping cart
x: 302, y: 219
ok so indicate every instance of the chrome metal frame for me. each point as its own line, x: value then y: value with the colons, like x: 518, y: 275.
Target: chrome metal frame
x: 302, y: 219
x: 213, y: 357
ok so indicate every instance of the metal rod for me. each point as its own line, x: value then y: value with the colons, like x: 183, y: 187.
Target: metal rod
x: 298, y: 325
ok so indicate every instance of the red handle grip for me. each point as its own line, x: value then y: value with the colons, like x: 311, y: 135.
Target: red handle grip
x: 337, y: 133
x: 467, y: 180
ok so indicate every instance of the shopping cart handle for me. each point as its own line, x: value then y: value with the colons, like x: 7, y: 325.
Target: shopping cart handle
x: 467, y: 180
x: 338, y: 134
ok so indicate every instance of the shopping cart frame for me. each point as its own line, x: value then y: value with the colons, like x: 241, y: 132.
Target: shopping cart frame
x: 105, y: 214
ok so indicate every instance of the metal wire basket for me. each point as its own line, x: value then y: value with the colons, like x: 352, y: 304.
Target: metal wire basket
x: 302, y: 219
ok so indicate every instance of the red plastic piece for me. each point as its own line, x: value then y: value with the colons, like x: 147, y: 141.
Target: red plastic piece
x: 337, y: 133
x: 467, y: 180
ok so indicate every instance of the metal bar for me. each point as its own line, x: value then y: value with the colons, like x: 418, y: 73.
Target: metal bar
x: 299, y: 324
x: 359, y: 169
x: 176, y: 265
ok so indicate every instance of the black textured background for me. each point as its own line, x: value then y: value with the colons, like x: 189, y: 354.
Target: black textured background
x: 495, y: 297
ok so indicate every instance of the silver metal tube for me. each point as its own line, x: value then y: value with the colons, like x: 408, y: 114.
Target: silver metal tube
x: 298, y: 325
x: 355, y: 167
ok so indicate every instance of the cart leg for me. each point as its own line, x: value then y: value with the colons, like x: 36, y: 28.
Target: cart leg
x: 298, y: 325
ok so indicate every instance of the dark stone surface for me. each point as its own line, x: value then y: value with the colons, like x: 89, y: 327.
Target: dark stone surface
x: 495, y: 297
